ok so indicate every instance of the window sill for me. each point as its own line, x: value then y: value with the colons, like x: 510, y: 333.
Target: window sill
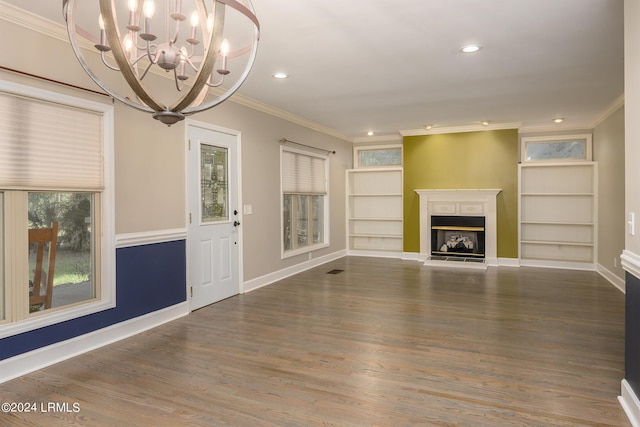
x: 306, y: 249
x: 49, y: 318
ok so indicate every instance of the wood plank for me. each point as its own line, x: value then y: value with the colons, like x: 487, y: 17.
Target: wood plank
x: 384, y: 343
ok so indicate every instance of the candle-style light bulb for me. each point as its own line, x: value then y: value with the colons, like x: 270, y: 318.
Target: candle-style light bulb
x: 103, y: 35
x: 224, y: 50
x: 149, y: 8
x: 194, y: 28
x: 133, y: 7
x: 128, y: 43
x: 194, y: 19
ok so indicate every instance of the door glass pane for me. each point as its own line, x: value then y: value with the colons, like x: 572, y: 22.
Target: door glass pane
x: 302, y: 220
x: 214, y: 183
x: 61, y: 246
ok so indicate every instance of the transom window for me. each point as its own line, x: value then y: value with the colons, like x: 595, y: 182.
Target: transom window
x: 556, y: 148
x: 377, y: 156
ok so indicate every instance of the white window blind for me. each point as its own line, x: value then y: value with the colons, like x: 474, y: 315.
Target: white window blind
x: 45, y: 145
x: 303, y: 174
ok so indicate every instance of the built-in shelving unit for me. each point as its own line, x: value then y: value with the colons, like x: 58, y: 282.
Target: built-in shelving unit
x: 374, y: 211
x: 558, y: 214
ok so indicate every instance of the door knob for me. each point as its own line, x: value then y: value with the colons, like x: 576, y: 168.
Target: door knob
x: 236, y: 223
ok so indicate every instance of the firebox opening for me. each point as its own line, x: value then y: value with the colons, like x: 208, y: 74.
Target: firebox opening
x: 458, y: 237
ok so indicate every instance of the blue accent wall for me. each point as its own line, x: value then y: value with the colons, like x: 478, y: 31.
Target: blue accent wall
x: 632, y: 333
x: 148, y: 278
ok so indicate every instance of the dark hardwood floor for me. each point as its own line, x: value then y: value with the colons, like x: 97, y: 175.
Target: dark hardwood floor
x: 383, y: 343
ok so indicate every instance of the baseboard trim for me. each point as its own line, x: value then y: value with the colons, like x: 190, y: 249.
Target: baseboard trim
x: 23, y: 364
x: 375, y: 254
x: 567, y: 265
x: 267, y: 279
x: 630, y: 403
x: 616, y: 281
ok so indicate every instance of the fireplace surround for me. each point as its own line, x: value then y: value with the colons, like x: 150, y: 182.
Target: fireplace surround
x: 479, y: 204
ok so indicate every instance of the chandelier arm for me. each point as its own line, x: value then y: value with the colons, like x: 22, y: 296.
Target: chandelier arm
x: 205, y: 106
x: 175, y: 78
x: 107, y: 8
x: 206, y: 68
x: 72, y: 29
x: 219, y: 83
x: 146, y: 70
x: 104, y: 61
x: 177, y: 32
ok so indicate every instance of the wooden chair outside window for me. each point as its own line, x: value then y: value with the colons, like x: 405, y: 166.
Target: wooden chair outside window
x: 44, y: 240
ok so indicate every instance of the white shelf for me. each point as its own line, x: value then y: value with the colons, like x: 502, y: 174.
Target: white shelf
x: 374, y: 210
x: 554, y: 242
x: 558, y: 212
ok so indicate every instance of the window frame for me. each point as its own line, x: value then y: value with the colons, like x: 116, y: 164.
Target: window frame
x: 325, y: 198
x: 358, y: 148
x: 526, y: 141
x: 104, y: 219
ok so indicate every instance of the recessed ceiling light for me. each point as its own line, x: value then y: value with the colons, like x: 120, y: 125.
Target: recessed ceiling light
x: 428, y: 127
x: 370, y: 133
x: 485, y: 122
x: 470, y: 48
x: 280, y: 75
x: 558, y: 120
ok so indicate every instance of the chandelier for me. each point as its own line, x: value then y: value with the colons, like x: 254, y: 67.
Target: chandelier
x: 206, y: 58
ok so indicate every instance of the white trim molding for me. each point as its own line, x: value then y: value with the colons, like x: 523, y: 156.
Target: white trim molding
x: 268, y: 279
x: 23, y: 364
x: 460, y: 202
x: 459, y: 129
x: 150, y: 237
x: 616, y: 281
x: 630, y: 403
x: 630, y: 262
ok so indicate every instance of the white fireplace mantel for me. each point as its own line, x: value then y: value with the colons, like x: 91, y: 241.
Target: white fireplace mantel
x: 462, y: 202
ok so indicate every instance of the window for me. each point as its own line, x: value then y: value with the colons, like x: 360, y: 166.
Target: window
x: 55, y: 157
x: 377, y: 156
x: 304, y: 201
x: 556, y: 148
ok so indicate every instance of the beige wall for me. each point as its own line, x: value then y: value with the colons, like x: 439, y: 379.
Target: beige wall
x: 632, y: 125
x: 608, y: 151
x: 150, y: 192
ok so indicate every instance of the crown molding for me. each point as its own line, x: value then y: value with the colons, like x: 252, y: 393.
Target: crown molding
x: 57, y: 31
x: 379, y: 138
x: 15, y: 15
x: 268, y: 109
x: 459, y: 129
x: 612, y: 108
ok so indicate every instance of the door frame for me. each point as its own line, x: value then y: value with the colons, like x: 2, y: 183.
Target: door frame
x: 189, y: 123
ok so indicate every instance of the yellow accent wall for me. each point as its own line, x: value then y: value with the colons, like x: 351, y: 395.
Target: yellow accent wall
x: 469, y: 160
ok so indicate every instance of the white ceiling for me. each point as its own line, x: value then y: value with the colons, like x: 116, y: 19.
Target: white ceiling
x: 385, y: 66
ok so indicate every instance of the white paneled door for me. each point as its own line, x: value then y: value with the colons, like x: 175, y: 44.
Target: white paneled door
x: 213, y: 254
